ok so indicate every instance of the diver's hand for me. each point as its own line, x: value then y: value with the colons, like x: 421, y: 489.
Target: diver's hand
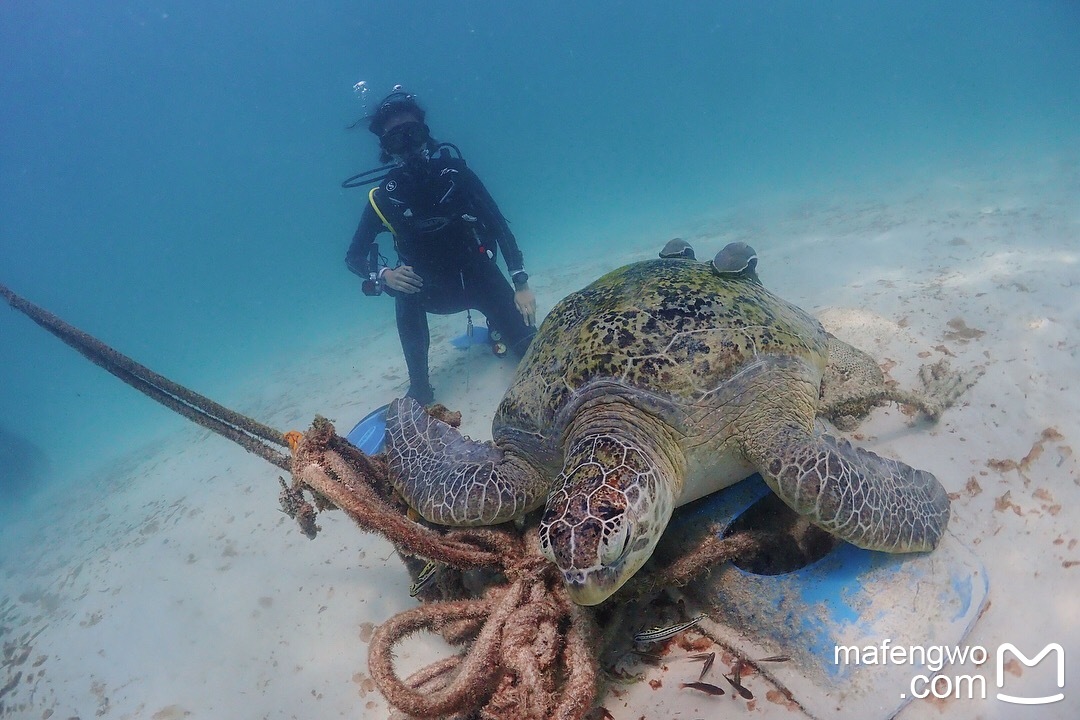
x: 525, y: 301
x: 403, y: 280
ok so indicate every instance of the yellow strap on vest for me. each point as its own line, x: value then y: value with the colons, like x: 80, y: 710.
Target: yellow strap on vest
x: 371, y: 199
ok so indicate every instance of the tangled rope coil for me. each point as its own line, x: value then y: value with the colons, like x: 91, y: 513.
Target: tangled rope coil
x: 532, y: 655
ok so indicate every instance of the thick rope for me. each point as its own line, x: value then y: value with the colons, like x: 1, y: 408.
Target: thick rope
x: 249, y: 434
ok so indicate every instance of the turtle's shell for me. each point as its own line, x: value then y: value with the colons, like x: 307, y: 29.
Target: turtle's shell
x: 661, y: 334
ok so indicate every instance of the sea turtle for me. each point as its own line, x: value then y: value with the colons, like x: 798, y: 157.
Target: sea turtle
x: 659, y: 383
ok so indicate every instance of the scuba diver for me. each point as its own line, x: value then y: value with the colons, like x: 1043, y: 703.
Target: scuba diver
x: 447, y: 234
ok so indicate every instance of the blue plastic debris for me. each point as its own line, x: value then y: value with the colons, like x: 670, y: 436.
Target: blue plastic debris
x: 369, y: 435
x: 856, y: 624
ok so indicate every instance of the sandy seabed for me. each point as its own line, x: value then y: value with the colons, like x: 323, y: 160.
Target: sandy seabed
x: 169, y: 585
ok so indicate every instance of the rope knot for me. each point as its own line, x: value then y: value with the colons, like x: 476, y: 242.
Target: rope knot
x: 529, y: 569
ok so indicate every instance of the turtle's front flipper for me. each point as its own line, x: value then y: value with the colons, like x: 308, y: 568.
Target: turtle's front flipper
x: 870, y: 501
x: 450, y: 479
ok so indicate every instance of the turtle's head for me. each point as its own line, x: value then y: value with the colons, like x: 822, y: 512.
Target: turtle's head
x: 604, y: 516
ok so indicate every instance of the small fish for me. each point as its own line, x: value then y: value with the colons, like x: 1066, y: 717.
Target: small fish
x: 746, y: 694
x: 664, y: 632
x: 707, y: 688
x: 423, y: 578
x: 709, y: 658
x: 774, y: 658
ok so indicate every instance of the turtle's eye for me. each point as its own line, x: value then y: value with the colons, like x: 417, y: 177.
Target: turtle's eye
x: 606, y: 511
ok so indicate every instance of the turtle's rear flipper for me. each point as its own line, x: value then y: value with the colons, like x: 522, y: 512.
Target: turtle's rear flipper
x: 869, y: 501
x: 450, y: 479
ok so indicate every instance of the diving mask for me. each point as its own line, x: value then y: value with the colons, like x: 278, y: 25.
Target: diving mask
x: 404, y: 139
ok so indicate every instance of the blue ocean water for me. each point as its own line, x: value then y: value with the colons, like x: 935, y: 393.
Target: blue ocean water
x: 169, y: 171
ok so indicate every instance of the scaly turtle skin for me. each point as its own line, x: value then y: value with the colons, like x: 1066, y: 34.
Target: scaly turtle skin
x: 661, y: 382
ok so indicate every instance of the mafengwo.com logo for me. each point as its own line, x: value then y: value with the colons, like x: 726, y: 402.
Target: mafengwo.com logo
x: 1059, y: 654
x: 971, y: 686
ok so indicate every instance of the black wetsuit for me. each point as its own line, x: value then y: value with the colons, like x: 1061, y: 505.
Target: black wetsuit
x: 448, y: 228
